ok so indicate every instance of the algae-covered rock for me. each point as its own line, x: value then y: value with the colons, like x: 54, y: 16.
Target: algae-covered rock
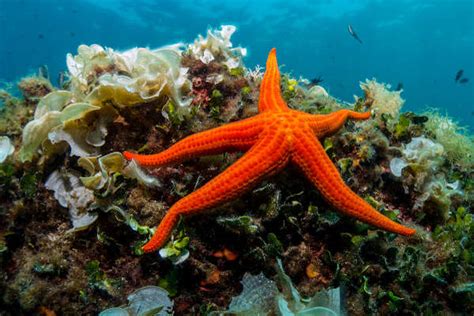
x: 414, y: 168
x: 35, y: 87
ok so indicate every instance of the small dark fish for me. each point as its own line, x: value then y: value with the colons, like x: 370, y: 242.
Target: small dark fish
x: 43, y: 71
x: 40, y: 36
x: 72, y: 34
x: 353, y: 33
x: 458, y: 75
x: 419, y: 119
x: 399, y: 86
x: 464, y: 80
x: 316, y: 81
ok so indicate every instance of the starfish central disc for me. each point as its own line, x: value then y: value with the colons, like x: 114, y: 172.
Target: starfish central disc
x: 275, y: 137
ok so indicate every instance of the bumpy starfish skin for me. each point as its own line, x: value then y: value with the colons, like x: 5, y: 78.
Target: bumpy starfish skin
x: 271, y: 139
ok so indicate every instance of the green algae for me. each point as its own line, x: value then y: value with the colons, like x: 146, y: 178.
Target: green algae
x: 98, y: 280
x: 176, y: 250
x: 243, y: 224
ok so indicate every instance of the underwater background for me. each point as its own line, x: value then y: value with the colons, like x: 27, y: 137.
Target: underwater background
x: 421, y: 44
x: 160, y: 158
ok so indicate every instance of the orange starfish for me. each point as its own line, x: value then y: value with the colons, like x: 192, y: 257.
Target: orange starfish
x: 273, y: 138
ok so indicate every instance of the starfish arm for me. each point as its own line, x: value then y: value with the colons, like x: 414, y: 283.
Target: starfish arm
x: 310, y: 156
x: 267, y: 156
x: 328, y: 124
x: 235, y: 136
x: 270, y: 97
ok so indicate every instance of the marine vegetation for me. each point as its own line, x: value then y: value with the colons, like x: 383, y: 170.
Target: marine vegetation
x: 77, y: 214
x: 272, y: 138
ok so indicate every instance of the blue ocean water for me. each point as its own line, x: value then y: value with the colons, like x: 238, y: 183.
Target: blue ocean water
x: 421, y: 44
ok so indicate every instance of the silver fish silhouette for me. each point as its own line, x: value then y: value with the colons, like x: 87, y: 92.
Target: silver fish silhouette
x: 353, y: 33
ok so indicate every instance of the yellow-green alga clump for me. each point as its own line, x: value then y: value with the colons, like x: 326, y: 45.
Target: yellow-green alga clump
x: 380, y: 99
x: 33, y: 88
x: 103, y: 169
x: 459, y: 147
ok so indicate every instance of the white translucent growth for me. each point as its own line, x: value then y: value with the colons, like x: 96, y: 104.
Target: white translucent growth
x: 115, y: 311
x: 149, y: 74
x: 215, y: 78
x: 420, y: 150
x: 54, y: 101
x: 6, y: 148
x: 207, y: 56
x: 384, y: 100
x: 216, y: 45
x: 133, y: 170
x: 440, y: 190
x: 425, y: 157
x: 257, y: 297
x: 130, y: 77
x: 70, y: 193
x: 78, y: 148
x: 149, y: 300
x: 254, y: 74
x: 397, y: 165
x: 453, y: 186
x: 101, y: 171
x: 53, y: 111
x: 83, y: 139
x: 176, y: 259
x: 78, y: 65
x: 261, y: 296
x: 318, y: 91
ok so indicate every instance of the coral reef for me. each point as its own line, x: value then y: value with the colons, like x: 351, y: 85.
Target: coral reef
x: 75, y: 214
